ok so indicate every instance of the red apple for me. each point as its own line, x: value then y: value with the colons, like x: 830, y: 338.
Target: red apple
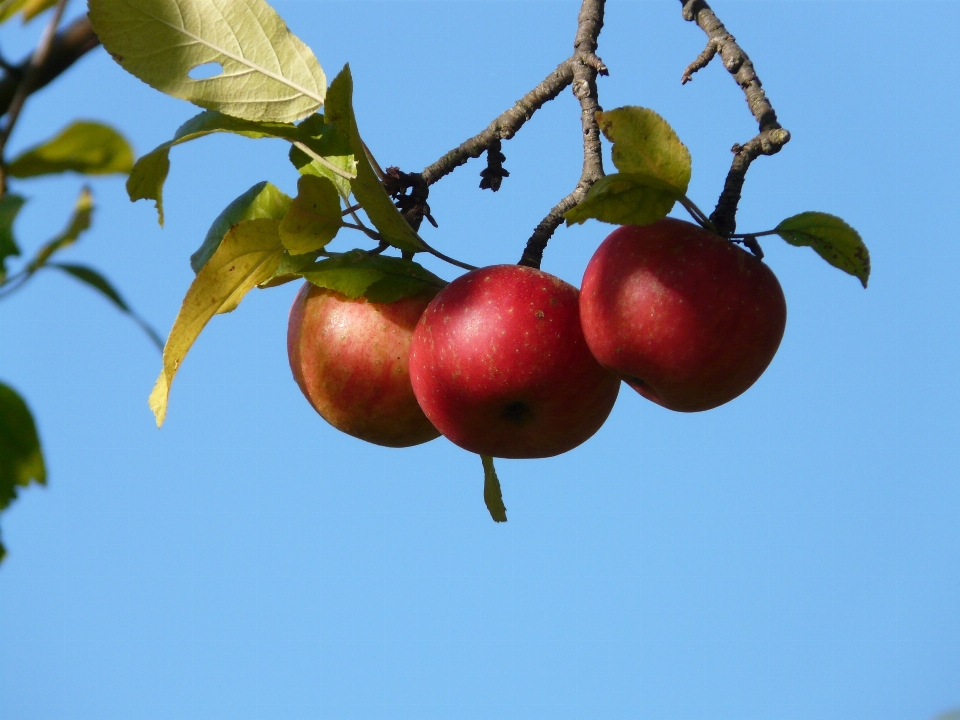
x: 500, y: 366
x: 350, y: 359
x: 689, y: 319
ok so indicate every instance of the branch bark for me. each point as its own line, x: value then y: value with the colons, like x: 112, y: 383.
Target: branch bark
x: 586, y: 67
x: 771, y: 137
x: 68, y: 46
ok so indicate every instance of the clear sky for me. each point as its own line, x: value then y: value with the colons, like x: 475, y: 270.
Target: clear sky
x: 794, y: 554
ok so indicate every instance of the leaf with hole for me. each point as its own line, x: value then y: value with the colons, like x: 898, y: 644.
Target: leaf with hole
x: 268, y: 73
x: 367, y: 187
x: 263, y: 200
x: 21, y: 459
x: 645, y: 144
x: 85, y: 147
x: 313, y: 219
x: 248, y: 255
x: 625, y: 199
x: 833, y: 240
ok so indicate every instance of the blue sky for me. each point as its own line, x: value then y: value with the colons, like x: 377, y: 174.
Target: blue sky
x: 793, y: 554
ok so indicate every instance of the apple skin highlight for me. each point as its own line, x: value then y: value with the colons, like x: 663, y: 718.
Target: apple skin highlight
x: 499, y: 365
x: 687, y: 318
x: 350, y: 359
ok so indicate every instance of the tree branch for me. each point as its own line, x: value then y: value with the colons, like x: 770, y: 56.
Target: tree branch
x: 771, y: 138
x: 504, y: 126
x: 586, y: 67
x: 68, y: 46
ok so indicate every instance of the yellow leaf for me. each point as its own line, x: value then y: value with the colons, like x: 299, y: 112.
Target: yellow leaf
x: 248, y: 255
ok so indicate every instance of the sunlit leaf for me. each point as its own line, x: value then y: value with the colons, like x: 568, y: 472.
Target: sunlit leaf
x: 97, y: 281
x: 290, y: 268
x: 379, y: 278
x: 150, y: 171
x: 9, y: 208
x: 834, y: 240
x: 21, y: 459
x: 313, y: 219
x: 248, y: 255
x: 85, y: 147
x: 644, y: 143
x: 366, y: 187
x: 32, y: 8
x: 79, y: 221
x: 267, y: 72
x: 492, y: 495
x: 625, y: 199
x: 9, y: 8
x: 263, y: 200
x: 331, y: 144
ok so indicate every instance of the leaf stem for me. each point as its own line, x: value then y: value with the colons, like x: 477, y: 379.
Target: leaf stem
x: 323, y: 161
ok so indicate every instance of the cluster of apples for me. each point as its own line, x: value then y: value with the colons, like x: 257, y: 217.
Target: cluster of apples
x: 512, y: 362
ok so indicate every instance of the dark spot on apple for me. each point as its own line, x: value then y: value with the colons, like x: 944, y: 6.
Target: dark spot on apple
x: 636, y: 382
x: 517, y: 413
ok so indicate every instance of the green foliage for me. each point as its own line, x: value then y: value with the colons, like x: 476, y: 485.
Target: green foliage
x: 9, y: 209
x: 84, y: 147
x: 654, y: 170
x: 313, y: 219
x: 32, y: 8
x: 268, y: 74
x: 79, y: 222
x: 379, y: 278
x: 644, y: 143
x: 625, y: 199
x: 367, y: 187
x: 150, y: 171
x: 833, y: 240
x: 263, y: 200
x: 332, y: 145
x: 94, y: 279
x: 492, y: 495
x: 248, y: 256
x: 21, y: 459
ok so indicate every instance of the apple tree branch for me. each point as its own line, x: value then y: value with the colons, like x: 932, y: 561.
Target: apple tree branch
x: 771, y: 136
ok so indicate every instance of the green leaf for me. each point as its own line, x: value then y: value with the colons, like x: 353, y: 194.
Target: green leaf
x: 267, y: 72
x: 625, y: 199
x: 366, y: 187
x: 150, y: 171
x: 79, y: 222
x: 97, y: 281
x: 645, y: 144
x: 32, y: 8
x: 84, y: 147
x: 263, y: 200
x: 379, y: 278
x: 834, y: 240
x: 331, y: 144
x: 290, y: 268
x: 21, y: 459
x: 248, y: 255
x: 313, y: 219
x: 9, y: 8
x: 492, y: 495
x: 9, y: 208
